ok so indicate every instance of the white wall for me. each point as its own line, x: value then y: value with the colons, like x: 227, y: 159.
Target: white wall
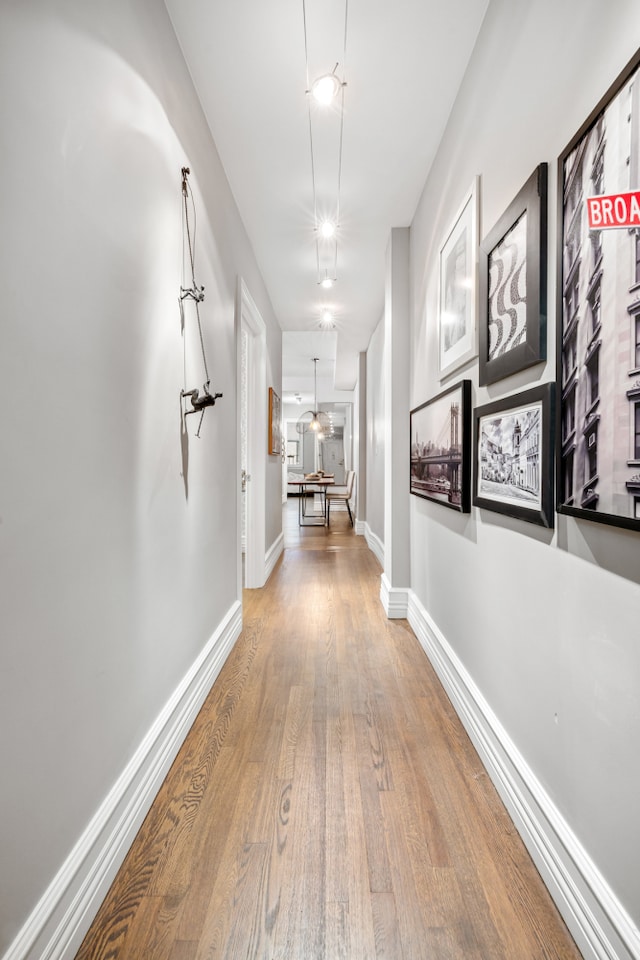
x: 545, y: 623
x: 375, y: 392
x: 113, y: 579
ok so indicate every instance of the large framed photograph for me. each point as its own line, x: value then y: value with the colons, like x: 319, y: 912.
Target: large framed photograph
x: 513, y: 455
x: 598, y: 349
x: 513, y: 284
x: 440, y: 432
x: 275, y: 426
x: 457, y: 291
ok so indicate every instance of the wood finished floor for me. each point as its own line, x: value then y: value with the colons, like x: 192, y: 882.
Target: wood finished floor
x: 327, y: 804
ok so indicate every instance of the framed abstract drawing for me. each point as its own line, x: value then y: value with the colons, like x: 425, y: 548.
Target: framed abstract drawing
x: 513, y: 284
x: 457, y: 288
x: 275, y: 428
x: 513, y: 455
x: 598, y: 346
x: 440, y: 431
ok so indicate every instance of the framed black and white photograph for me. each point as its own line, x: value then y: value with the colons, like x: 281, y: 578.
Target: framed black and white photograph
x: 440, y: 432
x: 513, y: 456
x: 599, y: 311
x: 457, y: 290
x: 513, y: 284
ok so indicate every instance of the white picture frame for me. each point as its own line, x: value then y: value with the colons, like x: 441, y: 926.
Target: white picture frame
x: 458, y: 286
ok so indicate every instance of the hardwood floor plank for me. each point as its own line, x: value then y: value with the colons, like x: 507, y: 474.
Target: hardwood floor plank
x: 385, y: 926
x: 184, y: 950
x: 338, y: 944
x: 233, y: 927
x: 377, y: 857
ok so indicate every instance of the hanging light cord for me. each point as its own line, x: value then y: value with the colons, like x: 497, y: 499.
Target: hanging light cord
x: 344, y: 83
x: 315, y: 387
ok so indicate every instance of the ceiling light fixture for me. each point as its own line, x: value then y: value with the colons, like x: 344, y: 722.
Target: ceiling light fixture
x: 315, y: 420
x: 327, y: 282
x: 327, y: 229
x: 325, y: 89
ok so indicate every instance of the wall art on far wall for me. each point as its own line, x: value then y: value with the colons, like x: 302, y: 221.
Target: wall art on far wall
x: 598, y: 351
x: 513, y: 455
x: 513, y: 284
x: 457, y: 289
x: 440, y: 432
x: 275, y: 427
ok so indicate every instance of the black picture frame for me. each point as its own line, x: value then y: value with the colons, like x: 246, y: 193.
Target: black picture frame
x: 514, y: 455
x: 598, y: 310
x: 513, y: 285
x: 440, y: 448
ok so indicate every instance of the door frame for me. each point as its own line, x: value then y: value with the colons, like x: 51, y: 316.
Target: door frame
x: 248, y: 318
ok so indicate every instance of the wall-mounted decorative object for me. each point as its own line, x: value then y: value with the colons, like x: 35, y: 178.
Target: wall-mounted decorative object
x: 457, y: 292
x: 440, y: 431
x: 513, y: 284
x: 598, y: 356
x: 200, y: 399
x: 513, y: 455
x: 275, y: 423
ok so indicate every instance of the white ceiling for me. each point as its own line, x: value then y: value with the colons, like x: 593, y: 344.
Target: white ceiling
x: 404, y: 63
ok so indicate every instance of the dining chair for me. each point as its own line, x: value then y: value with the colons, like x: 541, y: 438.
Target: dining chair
x: 341, y: 493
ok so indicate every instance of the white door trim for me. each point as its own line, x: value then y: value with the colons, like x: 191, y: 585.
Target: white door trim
x: 249, y: 318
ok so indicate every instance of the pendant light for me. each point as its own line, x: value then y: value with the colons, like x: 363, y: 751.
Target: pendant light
x: 314, y: 420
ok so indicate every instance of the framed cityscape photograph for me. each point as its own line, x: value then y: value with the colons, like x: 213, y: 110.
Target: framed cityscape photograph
x: 457, y: 288
x: 440, y: 432
x: 598, y: 352
x: 513, y: 455
x: 275, y: 427
x: 513, y: 285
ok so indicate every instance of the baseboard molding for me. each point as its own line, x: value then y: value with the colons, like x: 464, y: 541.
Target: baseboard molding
x: 600, y: 925
x: 395, y: 600
x: 59, y: 922
x: 273, y: 555
x: 374, y: 543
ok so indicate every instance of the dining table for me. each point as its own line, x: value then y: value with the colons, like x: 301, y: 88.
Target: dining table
x: 317, y: 485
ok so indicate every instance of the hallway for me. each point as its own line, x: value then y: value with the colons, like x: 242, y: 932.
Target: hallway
x: 327, y: 802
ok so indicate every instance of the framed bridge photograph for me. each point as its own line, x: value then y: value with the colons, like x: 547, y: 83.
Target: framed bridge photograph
x: 440, y: 432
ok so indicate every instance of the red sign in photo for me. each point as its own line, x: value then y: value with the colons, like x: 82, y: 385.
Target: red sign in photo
x: 614, y: 210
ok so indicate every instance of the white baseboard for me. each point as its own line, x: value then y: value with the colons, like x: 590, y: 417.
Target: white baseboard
x: 395, y: 600
x: 59, y: 922
x: 601, y: 927
x: 272, y: 556
x: 374, y: 543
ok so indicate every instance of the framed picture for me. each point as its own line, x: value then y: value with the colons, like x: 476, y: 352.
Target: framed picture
x: 513, y: 284
x: 275, y: 427
x: 457, y: 291
x: 513, y: 455
x: 598, y: 350
x: 440, y: 431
